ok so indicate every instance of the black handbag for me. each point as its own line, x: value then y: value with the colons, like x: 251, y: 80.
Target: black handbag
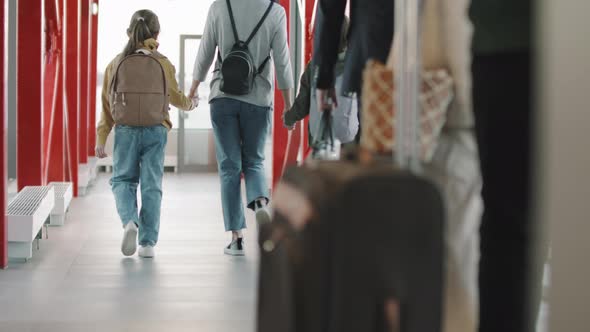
x: 324, y: 145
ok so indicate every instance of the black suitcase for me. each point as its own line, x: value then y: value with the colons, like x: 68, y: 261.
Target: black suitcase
x: 377, y: 235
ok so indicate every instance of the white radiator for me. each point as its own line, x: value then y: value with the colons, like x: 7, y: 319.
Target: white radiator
x: 27, y: 214
x: 63, y: 198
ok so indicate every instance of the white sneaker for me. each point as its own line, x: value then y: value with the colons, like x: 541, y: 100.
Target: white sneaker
x: 235, y: 248
x: 129, y: 244
x: 147, y: 252
x: 263, y: 215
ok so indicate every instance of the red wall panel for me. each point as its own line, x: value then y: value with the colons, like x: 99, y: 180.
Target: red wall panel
x: 29, y: 94
x: 71, y: 92
x: 92, y: 85
x: 54, y: 136
x: 288, y: 144
x: 3, y: 139
x: 84, y: 77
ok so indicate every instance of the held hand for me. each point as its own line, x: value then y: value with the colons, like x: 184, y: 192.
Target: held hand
x: 195, y: 102
x: 100, y: 153
x: 326, y: 99
x: 284, y: 123
x: 194, y: 90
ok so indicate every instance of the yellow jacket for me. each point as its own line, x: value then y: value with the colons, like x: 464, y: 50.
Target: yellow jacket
x: 177, y: 97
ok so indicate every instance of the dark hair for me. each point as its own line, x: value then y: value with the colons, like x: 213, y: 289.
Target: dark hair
x: 144, y: 25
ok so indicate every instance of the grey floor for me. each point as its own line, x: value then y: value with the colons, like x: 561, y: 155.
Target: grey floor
x: 79, y: 281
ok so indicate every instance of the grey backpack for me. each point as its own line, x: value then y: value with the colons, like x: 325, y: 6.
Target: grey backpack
x: 139, y: 92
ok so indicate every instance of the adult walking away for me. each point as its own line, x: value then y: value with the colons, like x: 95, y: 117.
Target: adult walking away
x: 248, y: 35
x: 510, y: 275
x: 371, y: 32
x: 139, y: 84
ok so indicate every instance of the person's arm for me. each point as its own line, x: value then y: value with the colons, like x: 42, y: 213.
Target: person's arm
x: 328, y: 28
x: 106, y: 119
x: 301, y: 106
x: 177, y: 97
x: 282, y: 61
x: 206, y: 54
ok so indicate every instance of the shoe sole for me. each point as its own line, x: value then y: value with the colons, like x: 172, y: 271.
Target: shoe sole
x: 144, y: 255
x: 129, y: 245
x: 231, y: 252
x: 262, y: 217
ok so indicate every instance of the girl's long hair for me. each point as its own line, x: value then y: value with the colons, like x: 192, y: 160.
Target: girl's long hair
x: 144, y: 25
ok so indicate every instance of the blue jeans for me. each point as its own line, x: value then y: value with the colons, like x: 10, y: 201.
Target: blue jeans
x: 138, y: 157
x: 240, y: 132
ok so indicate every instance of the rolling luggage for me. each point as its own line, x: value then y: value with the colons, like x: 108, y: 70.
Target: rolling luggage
x: 375, y: 235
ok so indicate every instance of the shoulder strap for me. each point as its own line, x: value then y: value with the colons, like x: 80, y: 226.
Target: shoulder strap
x: 259, y: 22
x: 262, y: 65
x: 219, y: 61
x: 143, y: 51
x: 233, y: 22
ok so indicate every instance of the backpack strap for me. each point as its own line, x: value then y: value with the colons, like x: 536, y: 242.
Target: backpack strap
x: 262, y: 65
x: 233, y: 22
x: 259, y: 22
x: 219, y: 61
x: 143, y: 51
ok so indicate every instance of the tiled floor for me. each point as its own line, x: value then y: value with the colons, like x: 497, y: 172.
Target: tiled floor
x: 79, y: 281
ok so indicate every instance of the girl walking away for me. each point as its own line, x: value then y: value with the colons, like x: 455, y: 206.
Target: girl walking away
x: 139, y: 84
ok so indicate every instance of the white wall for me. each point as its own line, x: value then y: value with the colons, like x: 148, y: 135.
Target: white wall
x: 565, y: 157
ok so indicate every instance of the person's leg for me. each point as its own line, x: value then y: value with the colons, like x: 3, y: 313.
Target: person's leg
x: 502, y: 93
x: 124, y: 183
x: 153, y: 145
x: 254, y: 127
x: 126, y: 172
x: 224, y: 117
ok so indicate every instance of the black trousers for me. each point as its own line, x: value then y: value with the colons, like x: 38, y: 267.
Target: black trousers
x: 510, y: 275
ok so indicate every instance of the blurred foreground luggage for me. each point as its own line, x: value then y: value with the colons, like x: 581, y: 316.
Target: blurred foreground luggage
x: 371, y: 242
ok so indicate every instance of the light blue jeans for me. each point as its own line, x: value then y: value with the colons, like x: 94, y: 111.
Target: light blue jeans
x: 138, y: 158
x: 240, y: 132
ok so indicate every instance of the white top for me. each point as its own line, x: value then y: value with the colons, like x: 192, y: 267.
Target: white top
x: 270, y: 39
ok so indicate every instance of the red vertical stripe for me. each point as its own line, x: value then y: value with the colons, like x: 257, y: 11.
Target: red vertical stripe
x: 3, y: 139
x: 53, y: 138
x: 83, y: 65
x: 71, y: 88
x: 92, y: 85
x: 56, y: 168
x: 29, y: 94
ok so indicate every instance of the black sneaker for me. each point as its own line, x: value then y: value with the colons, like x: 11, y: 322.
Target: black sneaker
x: 235, y: 248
